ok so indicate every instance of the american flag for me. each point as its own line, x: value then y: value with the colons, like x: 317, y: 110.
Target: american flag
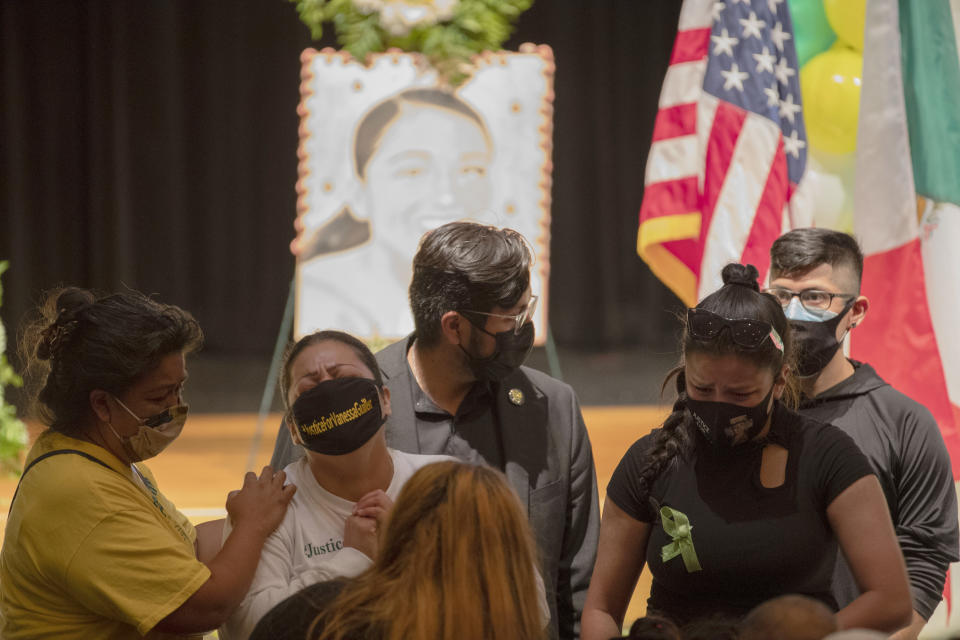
x: 725, y: 173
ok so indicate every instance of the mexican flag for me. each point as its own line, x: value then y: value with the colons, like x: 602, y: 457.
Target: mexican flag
x: 907, y: 206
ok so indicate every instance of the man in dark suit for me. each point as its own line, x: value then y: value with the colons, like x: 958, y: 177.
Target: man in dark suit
x: 457, y: 387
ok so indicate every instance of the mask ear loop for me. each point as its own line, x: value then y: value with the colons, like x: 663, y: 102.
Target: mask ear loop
x: 295, y: 434
x: 848, y: 309
x: 127, y: 409
x: 383, y: 416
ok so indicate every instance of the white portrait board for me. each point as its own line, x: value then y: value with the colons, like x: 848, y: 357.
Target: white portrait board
x: 387, y: 154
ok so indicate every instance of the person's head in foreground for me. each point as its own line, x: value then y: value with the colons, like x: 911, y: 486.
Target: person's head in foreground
x: 111, y: 369
x: 815, y: 274
x: 457, y: 560
x: 471, y: 299
x: 859, y: 634
x: 712, y: 628
x: 789, y: 617
x: 653, y: 627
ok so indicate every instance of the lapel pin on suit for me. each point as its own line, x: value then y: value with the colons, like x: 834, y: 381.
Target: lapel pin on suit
x: 516, y: 396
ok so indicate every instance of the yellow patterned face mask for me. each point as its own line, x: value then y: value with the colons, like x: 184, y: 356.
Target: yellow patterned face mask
x: 154, y: 434
x: 678, y: 527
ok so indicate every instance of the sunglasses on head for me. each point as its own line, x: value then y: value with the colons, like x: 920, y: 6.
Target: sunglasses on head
x: 750, y: 334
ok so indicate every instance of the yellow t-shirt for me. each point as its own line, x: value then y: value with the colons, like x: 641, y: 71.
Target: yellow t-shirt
x: 92, y: 552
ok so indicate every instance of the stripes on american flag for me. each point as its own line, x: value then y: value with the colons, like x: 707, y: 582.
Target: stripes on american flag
x: 729, y: 146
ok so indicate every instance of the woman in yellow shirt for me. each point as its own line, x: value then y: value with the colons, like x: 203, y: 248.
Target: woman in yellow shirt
x: 92, y: 549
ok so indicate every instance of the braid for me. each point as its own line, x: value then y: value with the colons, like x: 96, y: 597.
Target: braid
x: 673, y: 439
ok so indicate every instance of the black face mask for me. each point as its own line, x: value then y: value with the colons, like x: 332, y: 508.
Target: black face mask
x: 816, y: 342
x: 338, y: 416
x: 726, y: 425
x: 511, y: 351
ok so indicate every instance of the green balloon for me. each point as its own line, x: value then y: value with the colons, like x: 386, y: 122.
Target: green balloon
x: 811, y: 31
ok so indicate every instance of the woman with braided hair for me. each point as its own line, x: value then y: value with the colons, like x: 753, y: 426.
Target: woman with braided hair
x: 737, y: 499
x: 92, y: 548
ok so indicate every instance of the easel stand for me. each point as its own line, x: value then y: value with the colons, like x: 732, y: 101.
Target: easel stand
x: 270, y: 387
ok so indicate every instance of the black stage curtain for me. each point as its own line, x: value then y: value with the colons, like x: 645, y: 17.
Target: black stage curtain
x: 153, y: 145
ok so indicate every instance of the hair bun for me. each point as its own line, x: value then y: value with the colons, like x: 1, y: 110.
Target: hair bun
x: 71, y: 303
x: 745, y: 275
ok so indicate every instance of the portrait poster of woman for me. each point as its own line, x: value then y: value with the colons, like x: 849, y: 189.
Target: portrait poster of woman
x: 387, y: 154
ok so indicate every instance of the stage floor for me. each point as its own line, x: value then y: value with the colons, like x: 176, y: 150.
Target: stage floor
x: 211, y: 456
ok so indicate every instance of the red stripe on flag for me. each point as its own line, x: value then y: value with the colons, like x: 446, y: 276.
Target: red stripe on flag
x: 672, y: 122
x: 727, y: 124
x: 768, y: 219
x: 670, y: 197
x: 686, y: 251
x: 897, y: 337
x: 690, y: 46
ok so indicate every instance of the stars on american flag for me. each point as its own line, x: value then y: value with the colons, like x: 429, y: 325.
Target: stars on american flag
x: 764, y: 60
x: 773, y: 95
x: 792, y: 144
x: 779, y: 36
x: 724, y: 43
x: 752, y: 64
x: 788, y: 109
x: 716, y: 9
x: 752, y: 26
x: 783, y: 71
x: 734, y: 78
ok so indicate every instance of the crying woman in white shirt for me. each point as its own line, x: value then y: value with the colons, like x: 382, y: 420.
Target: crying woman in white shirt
x: 346, y: 483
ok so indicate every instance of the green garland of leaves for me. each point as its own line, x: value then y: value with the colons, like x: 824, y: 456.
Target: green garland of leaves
x: 13, y: 433
x: 476, y: 26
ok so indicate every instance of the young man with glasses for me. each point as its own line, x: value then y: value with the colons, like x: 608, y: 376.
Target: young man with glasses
x: 815, y: 274
x: 457, y: 387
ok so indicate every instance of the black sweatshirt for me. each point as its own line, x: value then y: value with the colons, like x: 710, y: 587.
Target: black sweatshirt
x: 903, y: 444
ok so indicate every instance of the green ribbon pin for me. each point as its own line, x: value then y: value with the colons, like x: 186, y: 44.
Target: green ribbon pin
x: 678, y: 527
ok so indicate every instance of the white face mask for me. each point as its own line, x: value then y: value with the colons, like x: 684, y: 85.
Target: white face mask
x: 796, y: 311
x: 155, y: 433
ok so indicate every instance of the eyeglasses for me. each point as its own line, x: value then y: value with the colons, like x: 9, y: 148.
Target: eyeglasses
x: 811, y: 299
x: 750, y: 334
x: 519, y: 320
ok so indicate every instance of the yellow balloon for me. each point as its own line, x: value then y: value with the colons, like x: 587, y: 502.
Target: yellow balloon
x: 847, y: 18
x: 830, y: 87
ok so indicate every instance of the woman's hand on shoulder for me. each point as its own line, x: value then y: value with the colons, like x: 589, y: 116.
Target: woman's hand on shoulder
x: 255, y: 511
x: 262, y: 502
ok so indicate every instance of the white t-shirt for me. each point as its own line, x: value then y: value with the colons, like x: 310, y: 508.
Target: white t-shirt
x: 307, y: 547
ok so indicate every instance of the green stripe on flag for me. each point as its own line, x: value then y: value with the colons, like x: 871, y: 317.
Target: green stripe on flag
x: 931, y: 88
